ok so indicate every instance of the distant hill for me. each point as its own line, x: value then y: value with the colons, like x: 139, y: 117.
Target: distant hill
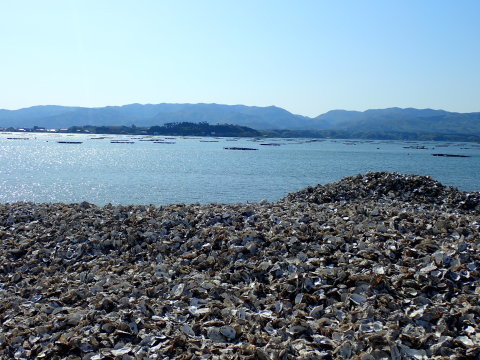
x: 397, y: 120
x: 367, y: 123
x: 151, y: 115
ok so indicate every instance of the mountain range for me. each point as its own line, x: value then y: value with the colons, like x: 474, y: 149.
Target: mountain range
x: 391, y: 120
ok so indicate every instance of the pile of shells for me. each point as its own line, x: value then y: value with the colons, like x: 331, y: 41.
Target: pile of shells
x: 379, y: 266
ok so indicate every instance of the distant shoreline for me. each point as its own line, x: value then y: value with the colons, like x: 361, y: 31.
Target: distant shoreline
x: 230, y: 130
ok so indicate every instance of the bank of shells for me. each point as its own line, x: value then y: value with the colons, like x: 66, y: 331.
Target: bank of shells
x: 379, y: 266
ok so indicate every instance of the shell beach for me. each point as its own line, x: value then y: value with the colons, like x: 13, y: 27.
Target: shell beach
x: 375, y: 266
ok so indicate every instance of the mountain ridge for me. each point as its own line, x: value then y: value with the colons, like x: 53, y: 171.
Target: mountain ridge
x: 395, y: 119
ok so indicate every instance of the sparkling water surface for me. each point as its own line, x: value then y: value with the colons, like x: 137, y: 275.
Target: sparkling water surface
x: 191, y: 170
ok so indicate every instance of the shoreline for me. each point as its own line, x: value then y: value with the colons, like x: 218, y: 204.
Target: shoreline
x: 377, y: 265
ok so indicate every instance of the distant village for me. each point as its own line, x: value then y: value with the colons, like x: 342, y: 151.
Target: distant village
x: 34, y: 129
x: 175, y: 129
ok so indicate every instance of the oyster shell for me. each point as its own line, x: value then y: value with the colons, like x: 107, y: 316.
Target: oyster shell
x: 376, y: 266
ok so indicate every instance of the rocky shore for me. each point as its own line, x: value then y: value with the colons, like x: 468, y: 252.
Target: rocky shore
x: 376, y: 266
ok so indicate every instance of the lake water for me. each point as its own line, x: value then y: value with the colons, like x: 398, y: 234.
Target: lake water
x: 192, y: 170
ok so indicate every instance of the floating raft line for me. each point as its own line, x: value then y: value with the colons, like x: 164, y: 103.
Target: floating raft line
x: 69, y: 142
x: 451, y: 155
x: 416, y: 147
x: 239, y: 148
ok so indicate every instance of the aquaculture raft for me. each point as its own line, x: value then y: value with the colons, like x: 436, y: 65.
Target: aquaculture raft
x: 239, y: 148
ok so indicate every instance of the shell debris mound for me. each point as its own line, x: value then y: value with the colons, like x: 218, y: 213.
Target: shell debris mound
x: 375, y: 266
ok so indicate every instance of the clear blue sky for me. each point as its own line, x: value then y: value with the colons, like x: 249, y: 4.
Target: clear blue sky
x: 307, y: 56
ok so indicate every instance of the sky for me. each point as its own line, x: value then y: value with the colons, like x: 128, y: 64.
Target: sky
x: 306, y: 56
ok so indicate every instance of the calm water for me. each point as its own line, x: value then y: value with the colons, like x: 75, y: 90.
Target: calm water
x: 191, y: 170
